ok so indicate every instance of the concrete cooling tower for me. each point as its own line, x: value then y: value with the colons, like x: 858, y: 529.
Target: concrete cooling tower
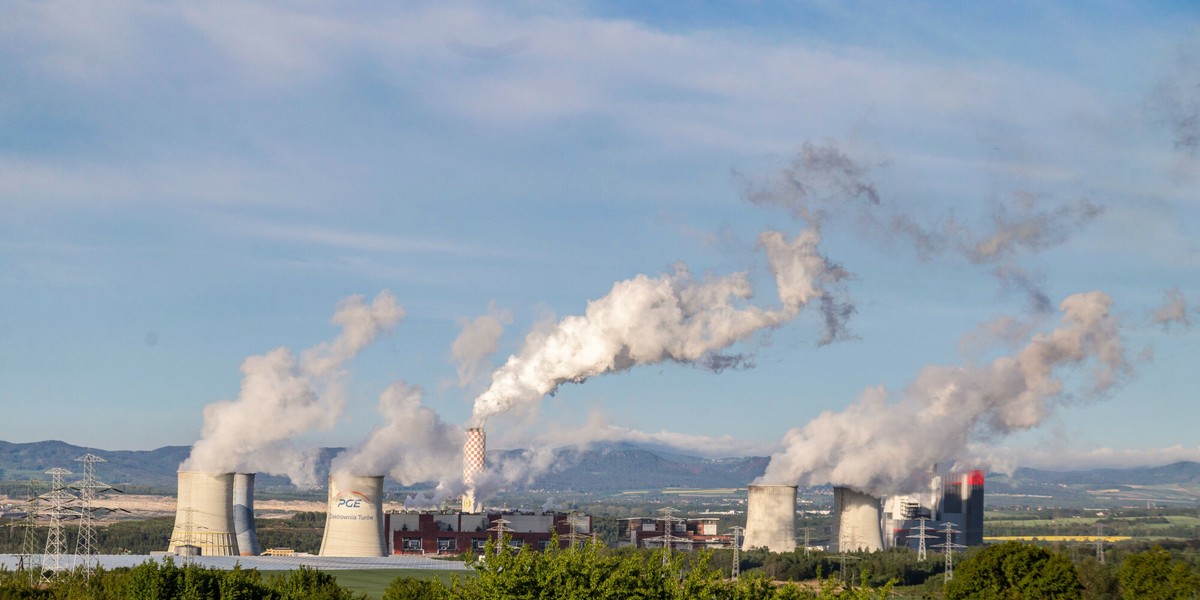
x: 243, y: 515
x: 474, y: 451
x: 204, y: 514
x: 354, y: 521
x: 771, y: 518
x: 858, y: 521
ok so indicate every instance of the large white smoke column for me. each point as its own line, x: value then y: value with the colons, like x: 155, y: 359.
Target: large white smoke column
x: 282, y: 397
x: 411, y: 446
x: 675, y: 317
x: 875, y: 445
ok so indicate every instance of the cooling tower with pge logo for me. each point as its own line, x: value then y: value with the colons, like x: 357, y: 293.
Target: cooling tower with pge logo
x: 354, y: 522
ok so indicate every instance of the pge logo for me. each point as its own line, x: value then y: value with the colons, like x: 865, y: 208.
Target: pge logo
x: 349, y: 502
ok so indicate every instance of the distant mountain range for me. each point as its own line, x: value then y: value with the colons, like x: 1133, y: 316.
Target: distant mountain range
x: 603, y: 468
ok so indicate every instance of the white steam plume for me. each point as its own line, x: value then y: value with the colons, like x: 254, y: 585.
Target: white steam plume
x: 282, y: 397
x: 413, y: 445
x: 875, y: 445
x: 479, y: 339
x: 675, y: 317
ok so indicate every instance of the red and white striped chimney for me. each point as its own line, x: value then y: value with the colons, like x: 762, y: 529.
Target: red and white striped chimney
x: 473, y: 464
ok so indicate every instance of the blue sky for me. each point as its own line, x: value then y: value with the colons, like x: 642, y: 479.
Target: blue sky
x: 183, y: 186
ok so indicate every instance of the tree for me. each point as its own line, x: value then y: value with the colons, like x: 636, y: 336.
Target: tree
x: 411, y: 588
x: 1013, y: 570
x: 1153, y: 575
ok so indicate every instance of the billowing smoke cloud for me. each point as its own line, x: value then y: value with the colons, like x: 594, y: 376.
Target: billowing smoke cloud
x: 1174, y: 309
x: 824, y: 181
x: 412, y: 446
x: 819, y: 179
x: 674, y: 317
x: 875, y: 445
x: 479, y: 340
x: 282, y: 397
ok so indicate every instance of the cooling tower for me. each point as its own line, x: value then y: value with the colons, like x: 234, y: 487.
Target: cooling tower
x: 243, y: 514
x: 204, y: 514
x: 771, y: 518
x: 473, y: 456
x: 354, y: 521
x: 858, y: 521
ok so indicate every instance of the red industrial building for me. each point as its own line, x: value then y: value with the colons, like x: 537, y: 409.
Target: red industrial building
x: 455, y: 533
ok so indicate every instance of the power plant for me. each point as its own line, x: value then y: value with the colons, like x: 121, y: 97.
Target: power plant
x: 858, y: 521
x: 204, y: 521
x: 474, y: 453
x: 771, y: 518
x: 215, y: 516
x: 354, y: 523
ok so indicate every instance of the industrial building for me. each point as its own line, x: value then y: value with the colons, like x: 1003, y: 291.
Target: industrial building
x: 456, y: 533
x: 958, y: 503
x: 679, y: 533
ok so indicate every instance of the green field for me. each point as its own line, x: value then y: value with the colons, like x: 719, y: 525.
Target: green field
x: 373, y: 582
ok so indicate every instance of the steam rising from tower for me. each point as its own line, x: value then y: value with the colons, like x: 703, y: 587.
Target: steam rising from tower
x: 474, y: 452
x: 675, y: 317
x: 875, y: 445
x: 282, y: 397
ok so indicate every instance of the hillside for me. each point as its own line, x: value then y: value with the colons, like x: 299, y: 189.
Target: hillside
x: 615, y: 467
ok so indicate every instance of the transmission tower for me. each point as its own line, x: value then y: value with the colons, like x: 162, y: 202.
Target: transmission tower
x: 89, y: 489
x: 668, y: 527
x: 1099, y: 543
x: 573, y: 536
x: 921, y: 537
x: 737, y: 552
x: 30, y: 544
x: 949, y: 546
x: 58, y: 501
x: 501, y: 526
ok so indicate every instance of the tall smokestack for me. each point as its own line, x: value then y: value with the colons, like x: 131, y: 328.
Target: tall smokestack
x: 771, y: 518
x: 474, y: 451
x: 858, y: 521
x: 354, y: 521
x: 243, y: 514
x: 204, y: 514
x: 972, y: 497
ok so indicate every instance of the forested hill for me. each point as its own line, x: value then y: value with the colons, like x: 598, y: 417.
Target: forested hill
x: 600, y: 468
